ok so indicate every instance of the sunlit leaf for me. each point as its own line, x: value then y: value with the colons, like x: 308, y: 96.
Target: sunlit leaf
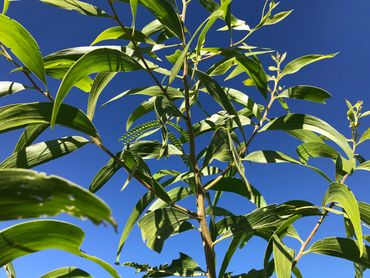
x: 184, y: 266
x: 299, y: 63
x: 29, y: 135
x: 152, y: 149
x: 342, y: 248
x: 23, y: 45
x: 311, y: 123
x: 314, y: 149
x: 78, y: 6
x: 365, y: 136
x: 100, y: 82
x: 116, y: 32
x: 283, y: 258
x: 99, y: 60
x: 5, y: 6
x: 35, y: 236
x: 341, y: 195
x: 28, y: 194
x: 9, y: 88
x: 305, y: 92
x: 43, y: 152
x: 19, y: 115
x: 158, y: 225
x: 68, y: 271
x: 276, y: 18
x: 364, y: 212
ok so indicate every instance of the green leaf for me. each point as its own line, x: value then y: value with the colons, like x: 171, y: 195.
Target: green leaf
x: 68, y: 271
x: 364, y: 212
x: 152, y: 149
x: 283, y: 258
x: 41, y: 235
x: 19, y: 115
x: 184, y: 266
x: 153, y: 91
x: 305, y: 92
x: 104, y: 174
x: 43, y: 152
x: 100, y: 82
x: 314, y: 149
x: 264, y: 221
x: 297, y: 64
x: 255, y: 71
x: 364, y: 166
x: 342, y: 248
x: 276, y: 18
x: 29, y: 135
x: 365, y: 136
x: 176, y: 194
x: 9, y: 88
x: 305, y: 136
x: 218, y: 148
x: 117, y: 33
x: 135, y: 214
x: 237, y: 186
x: 23, y: 45
x: 235, y: 242
x: 342, y: 195
x: 311, y: 123
x: 28, y: 194
x: 98, y: 60
x: 158, y: 225
x: 5, y: 6
x: 78, y: 6
x: 133, y: 6
x: 216, y: 91
x: 165, y: 13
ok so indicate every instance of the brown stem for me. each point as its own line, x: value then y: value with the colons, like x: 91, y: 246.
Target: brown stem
x: 314, y: 230
x: 200, y: 198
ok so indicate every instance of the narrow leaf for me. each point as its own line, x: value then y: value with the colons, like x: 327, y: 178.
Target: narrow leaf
x: 276, y: 18
x: 35, y: 236
x: 23, y: 45
x: 342, y: 195
x: 68, y: 271
x: 99, y: 60
x: 78, y: 6
x: 43, y: 152
x: 305, y: 92
x: 5, y: 6
x: 299, y: 63
x: 342, y: 248
x: 283, y: 258
x: 19, y: 115
x: 116, y: 33
x: 8, y: 88
x: 100, y: 82
x: 311, y: 123
x: 28, y: 194
x: 29, y: 135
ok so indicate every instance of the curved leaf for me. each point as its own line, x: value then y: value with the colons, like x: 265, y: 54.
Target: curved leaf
x: 342, y: 195
x: 283, y: 258
x: 176, y: 194
x: 43, y: 152
x: 19, y: 115
x: 100, y: 82
x: 152, y: 149
x: 5, y: 6
x: 68, y: 271
x: 237, y: 186
x: 315, y: 149
x: 305, y: 92
x: 29, y: 135
x: 364, y: 166
x: 23, y: 45
x: 342, y: 248
x: 158, y: 225
x: 364, y: 212
x: 98, y: 60
x: 311, y: 123
x: 27, y: 194
x: 78, y: 6
x: 299, y: 63
x: 8, y: 88
x: 30, y: 237
x: 116, y: 32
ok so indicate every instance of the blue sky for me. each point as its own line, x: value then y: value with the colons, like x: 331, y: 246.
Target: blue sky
x: 314, y: 27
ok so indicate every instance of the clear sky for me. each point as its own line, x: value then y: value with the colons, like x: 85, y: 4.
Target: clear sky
x: 315, y: 26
